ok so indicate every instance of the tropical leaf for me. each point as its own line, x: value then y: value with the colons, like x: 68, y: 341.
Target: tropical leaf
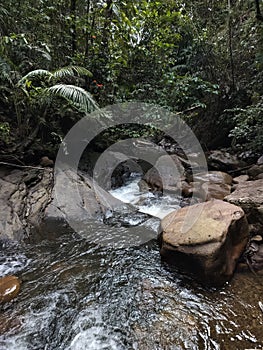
x: 35, y: 74
x: 71, y: 71
x: 3, y: 14
x: 77, y: 95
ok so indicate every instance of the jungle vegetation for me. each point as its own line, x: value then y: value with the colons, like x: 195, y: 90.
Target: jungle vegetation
x: 60, y: 60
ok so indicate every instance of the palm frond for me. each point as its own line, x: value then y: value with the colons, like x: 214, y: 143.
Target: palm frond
x: 71, y: 71
x: 3, y: 13
x: 78, y: 96
x: 35, y: 74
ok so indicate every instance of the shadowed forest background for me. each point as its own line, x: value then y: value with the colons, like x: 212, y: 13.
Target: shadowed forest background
x: 58, y: 61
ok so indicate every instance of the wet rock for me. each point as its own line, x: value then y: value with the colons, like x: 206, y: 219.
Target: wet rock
x: 167, y: 174
x: 76, y: 199
x: 259, y: 176
x: 249, y: 196
x: 217, y: 177
x: 113, y: 168
x: 23, y: 195
x: 260, y: 160
x: 205, y: 240
x: 46, y: 162
x: 257, y: 238
x: 214, y: 184
x: 255, y: 170
x: 173, y: 326
x: 9, y: 288
x: 143, y: 186
x: 240, y: 179
x: 223, y: 160
x: 9, y: 324
x: 29, y: 201
x: 153, y: 180
x: 187, y: 189
x: 214, y: 190
x: 254, y: 255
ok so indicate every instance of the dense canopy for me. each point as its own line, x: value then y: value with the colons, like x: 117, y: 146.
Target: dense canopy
x: 59, y: 60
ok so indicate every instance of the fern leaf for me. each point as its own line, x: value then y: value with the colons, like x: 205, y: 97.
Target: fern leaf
x: 71, y: 71
x: 78, y: 96
x: 35, y: 74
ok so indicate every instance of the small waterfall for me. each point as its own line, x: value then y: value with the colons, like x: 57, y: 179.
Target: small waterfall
x: 155, y: 205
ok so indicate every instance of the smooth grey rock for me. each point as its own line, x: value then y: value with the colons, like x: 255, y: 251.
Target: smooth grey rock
x: 30, y: 204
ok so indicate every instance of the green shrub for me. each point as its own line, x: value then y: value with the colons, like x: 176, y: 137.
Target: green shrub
x: 248, y: 130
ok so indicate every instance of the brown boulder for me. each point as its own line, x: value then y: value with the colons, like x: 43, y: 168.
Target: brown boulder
x: 209, y: 247
x: 255, y: 170
x: 240, y: 179
x: 167, y: 174
x: 46, y: 162
x: 216, y: 191
x: 259, y: 176
x: 214, y: 184
x: 217, y: 177
x: 9, y: 288
x: 249, y: 196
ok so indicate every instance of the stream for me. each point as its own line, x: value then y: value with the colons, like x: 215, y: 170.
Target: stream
x: 79, y: 295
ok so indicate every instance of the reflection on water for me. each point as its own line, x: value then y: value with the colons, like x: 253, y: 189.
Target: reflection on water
x: 78, y: 295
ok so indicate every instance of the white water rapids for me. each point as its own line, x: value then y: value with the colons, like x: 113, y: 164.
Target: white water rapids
x: 146, y: 202
x: 79, y: 295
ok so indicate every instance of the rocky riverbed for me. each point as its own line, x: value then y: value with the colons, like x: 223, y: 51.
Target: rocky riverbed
x: 32, y: 210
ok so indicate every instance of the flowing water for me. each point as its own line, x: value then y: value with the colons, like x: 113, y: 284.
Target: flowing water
x: 78, y: 295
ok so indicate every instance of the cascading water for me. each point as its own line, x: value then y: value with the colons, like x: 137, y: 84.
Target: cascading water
x: 146, y: 202
x: 78, y: 295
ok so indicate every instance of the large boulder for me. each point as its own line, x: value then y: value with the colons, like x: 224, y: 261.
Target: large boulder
x: 216, y: 191
x: 9, y: 288
x: 214, y: 184
x: 255, y: 171
x: 205, y: 240
x: 217, y: 177
x: 30, y: 202
x: 23, y: 195
x: 249, y: 196
x: 223, y: 160
x: 240, y: 179
x: 167, y: 174
x: 113, y: 168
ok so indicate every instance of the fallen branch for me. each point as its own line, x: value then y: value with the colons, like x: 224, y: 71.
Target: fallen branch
x: 21, y: 166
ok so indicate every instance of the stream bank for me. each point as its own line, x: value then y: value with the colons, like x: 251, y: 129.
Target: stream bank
x: 78, y: 294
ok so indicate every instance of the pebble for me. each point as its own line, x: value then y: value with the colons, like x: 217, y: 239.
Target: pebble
x: 256, y: 238
x: 9, y: 288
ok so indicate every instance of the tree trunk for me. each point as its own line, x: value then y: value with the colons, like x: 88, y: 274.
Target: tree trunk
x: 106, y: 28
x: 88, y: 31
x: 73, y: 27
x: 258, y: 12
x: 230, y: 37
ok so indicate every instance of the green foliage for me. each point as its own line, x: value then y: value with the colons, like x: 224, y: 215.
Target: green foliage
x: 37, y: 94
x: 75, y: 94
x: 4, y: 132
x: 248, y: 130
x: 197, y: 56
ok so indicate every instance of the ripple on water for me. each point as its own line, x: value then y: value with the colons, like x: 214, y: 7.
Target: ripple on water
x: 12, y: 259
x: 77, y: 295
